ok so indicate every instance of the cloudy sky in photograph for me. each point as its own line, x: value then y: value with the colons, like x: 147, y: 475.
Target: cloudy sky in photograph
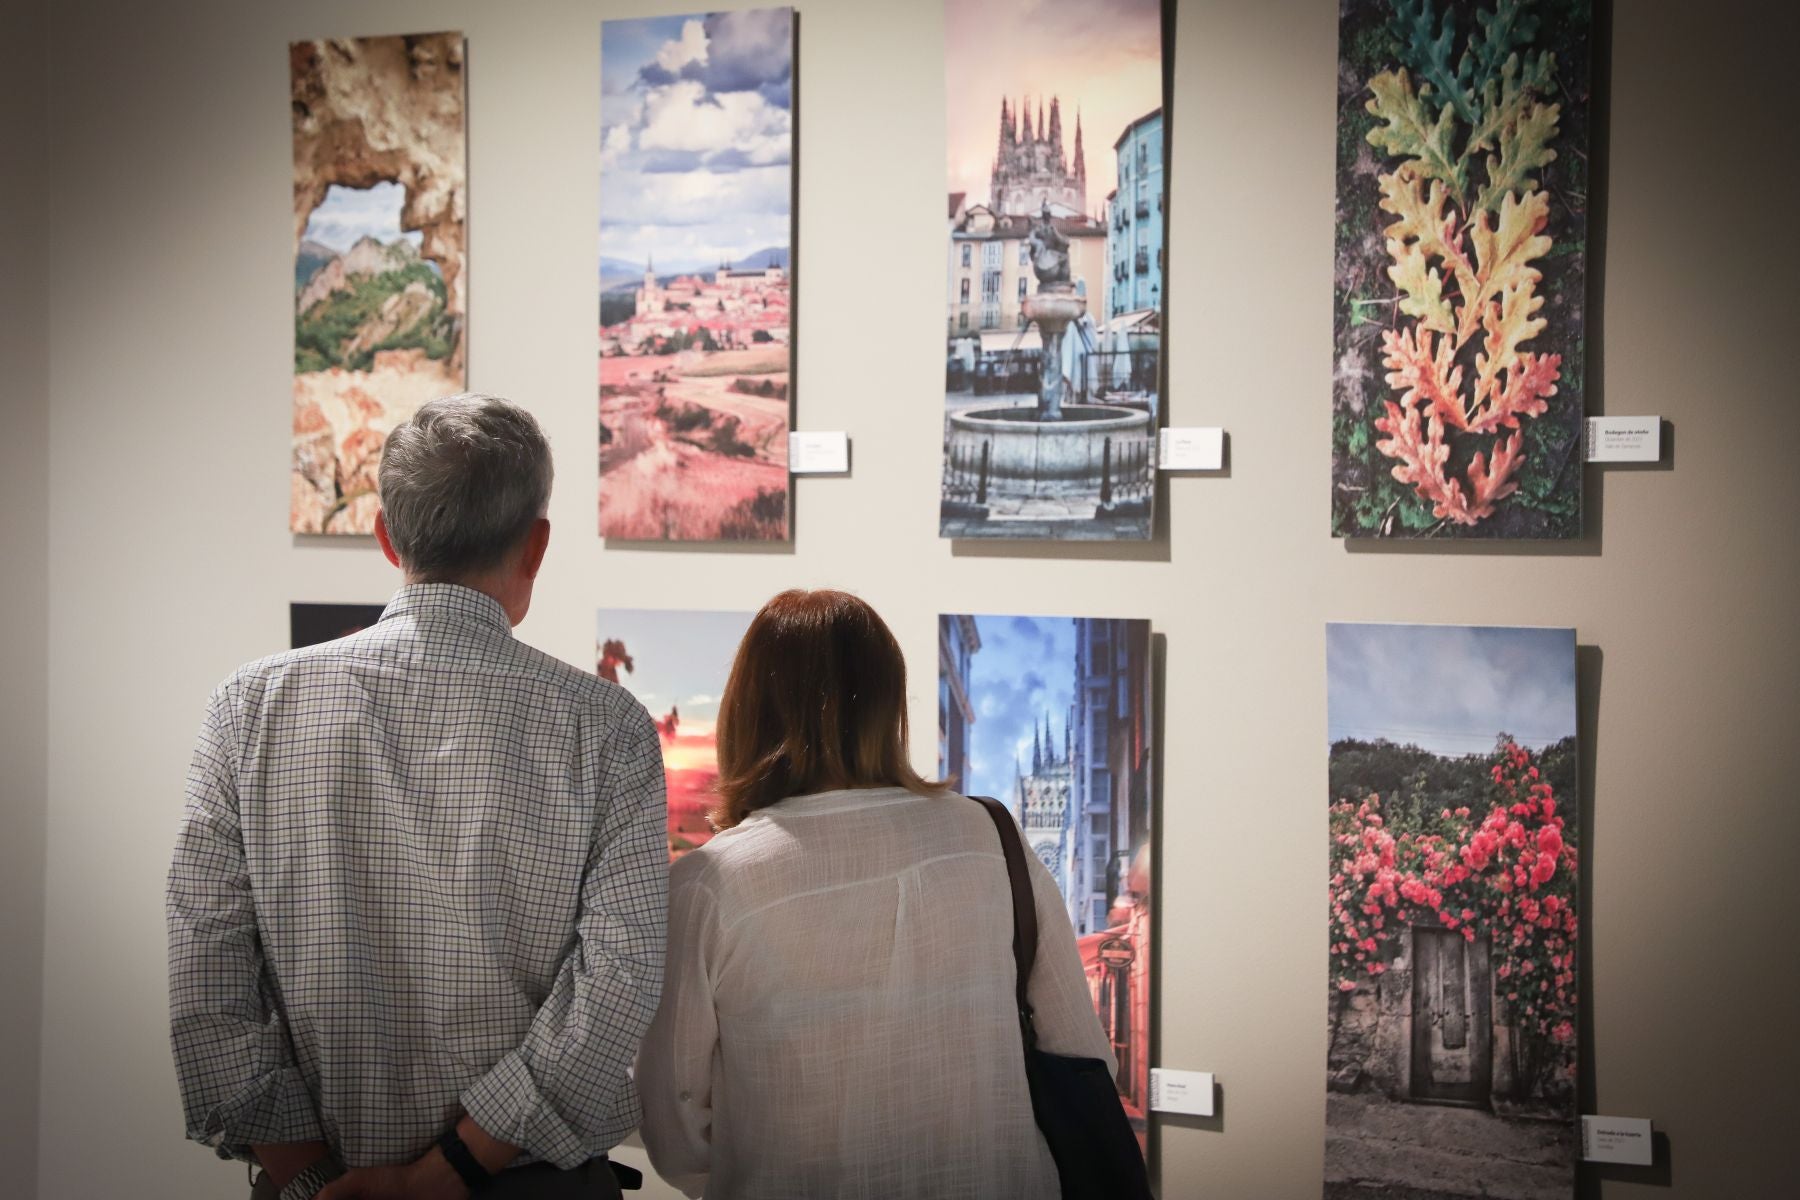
x: 696, y: 137
x: 1450, y: 688
x: 1024, y: 670
x: 347, y: 215
x: 681, y: 659
x: 1104, y: 59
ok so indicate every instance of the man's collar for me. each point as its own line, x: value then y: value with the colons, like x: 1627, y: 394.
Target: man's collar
x: 448, y: 602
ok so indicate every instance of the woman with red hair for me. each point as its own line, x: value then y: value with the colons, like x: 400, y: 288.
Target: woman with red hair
x: 838, y: 1016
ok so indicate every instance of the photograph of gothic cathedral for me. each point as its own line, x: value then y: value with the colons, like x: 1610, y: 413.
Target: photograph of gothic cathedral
x: 1053, y: 717
x: 1056, y: 222
x: 1454, y: 883
x: 696, y: 209
x: 676, y: 663
x: 379, y: 247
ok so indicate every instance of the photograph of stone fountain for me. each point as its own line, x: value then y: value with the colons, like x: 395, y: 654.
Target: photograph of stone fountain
x: 1054, y: 317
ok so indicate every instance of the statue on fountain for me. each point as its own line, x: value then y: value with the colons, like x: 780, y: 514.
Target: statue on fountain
x: 1049, y: 250
x: 1051, y: 308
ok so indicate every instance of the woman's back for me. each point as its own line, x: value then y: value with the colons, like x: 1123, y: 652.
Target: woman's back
x: 849, y: 959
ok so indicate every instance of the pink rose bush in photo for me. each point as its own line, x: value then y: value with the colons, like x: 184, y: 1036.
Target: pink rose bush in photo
x: 1506, y: 872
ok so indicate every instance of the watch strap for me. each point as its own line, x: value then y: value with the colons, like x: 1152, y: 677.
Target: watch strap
x: 311, y: 1180
x: 462, y: 1160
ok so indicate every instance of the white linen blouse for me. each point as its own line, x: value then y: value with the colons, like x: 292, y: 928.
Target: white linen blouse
x: 837, y: 1016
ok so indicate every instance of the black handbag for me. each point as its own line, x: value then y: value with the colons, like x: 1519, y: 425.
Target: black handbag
x: 1074, y: 1100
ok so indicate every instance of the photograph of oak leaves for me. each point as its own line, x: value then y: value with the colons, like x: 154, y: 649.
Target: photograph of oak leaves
x: 1458, y: 306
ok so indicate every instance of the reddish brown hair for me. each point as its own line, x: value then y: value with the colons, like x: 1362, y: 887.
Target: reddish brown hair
x: 816, y: 701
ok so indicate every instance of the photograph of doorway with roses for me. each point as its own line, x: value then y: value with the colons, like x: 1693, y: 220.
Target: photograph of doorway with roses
x: 1453, y: 923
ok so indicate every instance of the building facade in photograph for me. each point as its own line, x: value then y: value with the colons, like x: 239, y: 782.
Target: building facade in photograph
x: 958, y: 639
x: 990, y: 273
x: 1134, y: 220
x: 990, y: 262
x: 1108, y: 889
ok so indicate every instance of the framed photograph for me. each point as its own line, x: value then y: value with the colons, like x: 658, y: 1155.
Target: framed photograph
x: 1459, y: 308
x: 1056, y: 222
x: 1053, y: 717
x: 696, y: 216
x: 1454, y: 913
x: 380, y: 258
x: 676, y: 663
x: 310, y: 624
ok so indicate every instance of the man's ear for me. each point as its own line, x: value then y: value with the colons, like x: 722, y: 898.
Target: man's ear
x: 381, y: 536
x: 537, y: 540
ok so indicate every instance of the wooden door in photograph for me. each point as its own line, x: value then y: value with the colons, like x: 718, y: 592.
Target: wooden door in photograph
x: 1452, y: 1025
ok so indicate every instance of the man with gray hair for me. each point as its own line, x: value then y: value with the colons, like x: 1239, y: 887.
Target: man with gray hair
x: 417, y: 906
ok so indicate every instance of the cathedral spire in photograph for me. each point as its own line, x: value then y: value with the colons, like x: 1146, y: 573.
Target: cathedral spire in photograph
x: 1080, y: 158
x: 1032, y: 165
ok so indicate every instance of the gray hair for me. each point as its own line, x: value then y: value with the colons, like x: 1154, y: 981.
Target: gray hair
x: 461, y: 484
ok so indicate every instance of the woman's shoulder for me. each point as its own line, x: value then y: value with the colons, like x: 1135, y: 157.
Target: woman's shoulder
x: 849, y: 822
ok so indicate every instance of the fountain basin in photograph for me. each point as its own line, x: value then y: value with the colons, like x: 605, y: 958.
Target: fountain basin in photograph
x: 1027, y: 456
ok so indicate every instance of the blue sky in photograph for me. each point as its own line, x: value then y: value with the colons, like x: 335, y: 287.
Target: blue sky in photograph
x: 681, y: 657
x: 349, y: 214
x: 1024, y: 670
x: 696, y: 137
x: 1450, y: 688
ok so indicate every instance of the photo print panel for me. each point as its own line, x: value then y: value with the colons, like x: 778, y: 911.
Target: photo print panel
x: 380, y: 258
x: 1459, y: 307
x: 696, y: 216
x: 1454, y: 880
x: 310, y: 624
x: 1054, y: 315
x: 1053, y: 717
x: 676, y: 663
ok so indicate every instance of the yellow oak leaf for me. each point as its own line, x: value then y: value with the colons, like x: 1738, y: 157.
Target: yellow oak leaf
x: 1421, y: 288
x: 1524, y: 146
x: 1409, y: 130
x: 1423, y: 231
x: 1507, y: 321
x: 1504, y: 247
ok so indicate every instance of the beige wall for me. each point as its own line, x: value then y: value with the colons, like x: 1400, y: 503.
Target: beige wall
x: 24, y: 595
x: 170, y: 561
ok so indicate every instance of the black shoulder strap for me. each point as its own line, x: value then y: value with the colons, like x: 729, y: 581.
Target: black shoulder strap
x: 1024, y: 909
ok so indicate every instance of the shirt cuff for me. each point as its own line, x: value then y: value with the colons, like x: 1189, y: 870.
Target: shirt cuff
x: 508, y: 1106
x: 274, y: 1107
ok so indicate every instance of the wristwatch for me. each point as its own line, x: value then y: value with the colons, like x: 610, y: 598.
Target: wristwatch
x: 310, y: 1181
x: 462, y: 1160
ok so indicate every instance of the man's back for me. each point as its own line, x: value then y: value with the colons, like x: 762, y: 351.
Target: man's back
x: 430, y: 817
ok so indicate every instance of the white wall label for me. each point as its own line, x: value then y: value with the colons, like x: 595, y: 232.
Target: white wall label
x: 1191, y: 448
x: 815, y: 453
x: 1617, y: 1140
x: 1188, y: 1092
x: 1624, y: 439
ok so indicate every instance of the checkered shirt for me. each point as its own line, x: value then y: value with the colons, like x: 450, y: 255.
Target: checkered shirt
x: 421, y: 868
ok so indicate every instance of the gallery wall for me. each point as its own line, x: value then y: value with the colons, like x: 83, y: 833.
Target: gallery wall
x: 166, y: 198
x: 24, y: 593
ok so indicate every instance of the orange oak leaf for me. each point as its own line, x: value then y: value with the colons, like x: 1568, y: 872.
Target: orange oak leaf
x: 1427, y: 378
x: 1493, y: 482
